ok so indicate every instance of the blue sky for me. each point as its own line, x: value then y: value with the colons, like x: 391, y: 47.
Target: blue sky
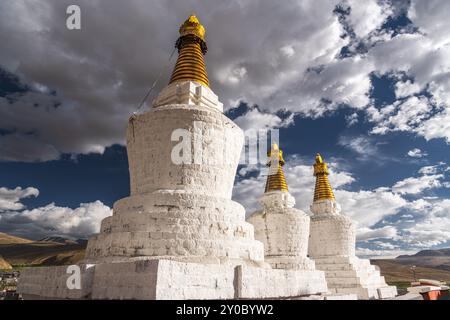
x: 365, y: 84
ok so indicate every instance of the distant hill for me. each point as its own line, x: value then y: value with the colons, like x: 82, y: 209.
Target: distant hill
x: 4, y: 265
x: 439, y: 259
x: 9, y: 239
x: 58, y: 240
x: 428, y: 253
x: 47, y: 251
x: 62, y: 240
x: 395, y: 271
x: 430, y: 264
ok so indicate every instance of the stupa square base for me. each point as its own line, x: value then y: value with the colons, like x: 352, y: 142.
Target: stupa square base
x: 347, y: 275
x: 158, y: 279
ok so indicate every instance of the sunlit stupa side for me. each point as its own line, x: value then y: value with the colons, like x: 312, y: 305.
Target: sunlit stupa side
x: 332, y: 245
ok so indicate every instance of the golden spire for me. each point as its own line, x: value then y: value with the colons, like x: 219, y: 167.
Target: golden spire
x: 323, y: 189
x: 191, y: 47
x: 275, y: 178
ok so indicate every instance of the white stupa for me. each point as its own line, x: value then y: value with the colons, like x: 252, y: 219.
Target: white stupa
x: 283, y: 229
x: 178, y: 235
x: 332, y: 246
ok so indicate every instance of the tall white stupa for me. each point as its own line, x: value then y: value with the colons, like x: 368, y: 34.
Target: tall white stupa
x: 178, y: 235
x: 332, y: 245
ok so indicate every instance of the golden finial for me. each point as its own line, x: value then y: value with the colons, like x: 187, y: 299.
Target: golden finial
x: 275, y: 179
x: 323, y: 189
x: 319, y: 158
x: 191, y: 46
x: 193, y: 26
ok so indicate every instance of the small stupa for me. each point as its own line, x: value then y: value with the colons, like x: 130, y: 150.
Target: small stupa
x: 283, y: 229
x: 332, y: 245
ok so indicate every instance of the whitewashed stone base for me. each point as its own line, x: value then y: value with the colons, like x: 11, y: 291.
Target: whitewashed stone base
x: 166, y: 279
x: 175, y: 225
x: 51, y: 282
x: 347, y: 275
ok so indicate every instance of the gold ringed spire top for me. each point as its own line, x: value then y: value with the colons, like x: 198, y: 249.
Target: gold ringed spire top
x: 191, y: 47
x: 323, y: 189
x: 275, y: 179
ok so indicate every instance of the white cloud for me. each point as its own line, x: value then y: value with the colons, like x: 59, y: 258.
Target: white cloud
x: 422, y: 56
x: 433, y: 229
x: 288, y: 50
x: 352, y: 119
x: 405, y: 115
x: 429, y: 170
x: 10, y: 198
x: 368, y: 207
x: 415, y: 185
x: 255, y: 119
x: 432, y: 19
x: 437, y: 127
x: 365, y: 234
x: 417, y: 153
x: 406, y: 88
x: 367, y: 16
x: 365, y: 148
x: 49, y: 220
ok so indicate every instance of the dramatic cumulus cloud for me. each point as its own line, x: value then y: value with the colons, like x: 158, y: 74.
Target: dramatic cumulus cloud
x: 83, y: 85
x: 422, y: 56
x: 50, y: 220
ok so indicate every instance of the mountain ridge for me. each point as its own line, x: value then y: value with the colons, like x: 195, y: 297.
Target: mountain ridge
x: 445, y: 252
